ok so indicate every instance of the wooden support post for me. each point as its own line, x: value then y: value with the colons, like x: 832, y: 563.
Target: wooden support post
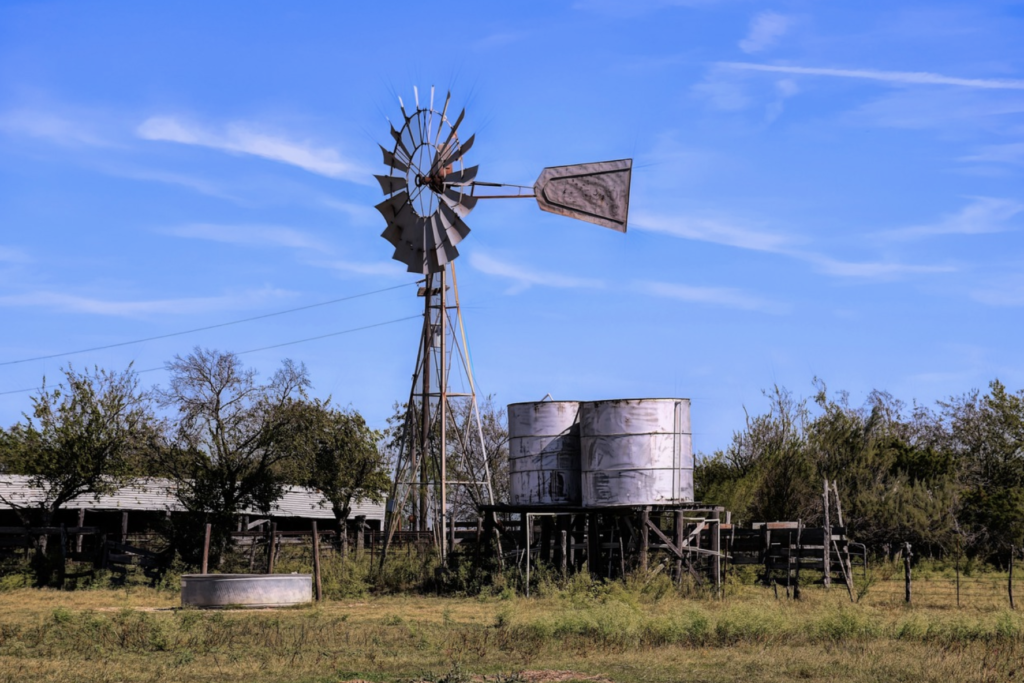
x: 716, y: 547
x: 958, y: 571
x: 564, y: 556
x: 796, y: 581
x: 63, y: 555
x: 360, y: 538
x: 826, y: 554
x: 479, y: 530
x: 622, y: 558
x: 124, y: 527
x: 845, y: 560
x: 78, y: 536
x: 316, y: 564
x: 679, y: 536
x: 343, y: 541
x: 451, y: 533
x: 206, y: 549
x: 645, y: 537
x: 906, y: 570
x: 1009, y: 585
x: 272, y: 550
x: 594, y: 545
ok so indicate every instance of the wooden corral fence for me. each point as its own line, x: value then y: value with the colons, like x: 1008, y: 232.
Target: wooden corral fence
x: 83, y: 545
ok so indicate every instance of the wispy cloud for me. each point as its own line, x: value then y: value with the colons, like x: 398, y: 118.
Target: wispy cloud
x: 49, y: 126
x: 765, y: 30
x: 868, y: 270
x: 897, y: 77
x: 199, y: 185
x: 249, y: 235
x: 525, y: 276
x: 1012, y: 153
x: 727, y: 234
x: 711, y: 230
x: 245, y: 138
x: 715, y: 296
x: 363, y: 267
x: 71, y: 303
x: 982, y: 215
x: 1003, y: 292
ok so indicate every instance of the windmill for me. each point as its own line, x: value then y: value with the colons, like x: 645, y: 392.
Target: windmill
x: 429, y: 193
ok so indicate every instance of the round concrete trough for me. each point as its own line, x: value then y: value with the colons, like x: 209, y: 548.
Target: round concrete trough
x: 246, y: 590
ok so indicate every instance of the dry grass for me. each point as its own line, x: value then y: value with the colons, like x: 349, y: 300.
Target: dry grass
x: 583, y: 632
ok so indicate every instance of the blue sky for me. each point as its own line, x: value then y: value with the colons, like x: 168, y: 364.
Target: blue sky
x: 819, y: 189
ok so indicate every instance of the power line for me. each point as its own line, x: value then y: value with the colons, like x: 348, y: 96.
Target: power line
x: 201, y: 329
x: 273, y: 346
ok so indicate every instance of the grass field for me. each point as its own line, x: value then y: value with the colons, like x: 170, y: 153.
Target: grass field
x: 641, y: 632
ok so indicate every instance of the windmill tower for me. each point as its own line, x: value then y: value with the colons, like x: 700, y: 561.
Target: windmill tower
x: 430, y: 191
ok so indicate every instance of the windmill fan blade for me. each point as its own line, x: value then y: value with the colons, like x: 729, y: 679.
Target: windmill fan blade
x: 393, y: 161
x: 392, y: 234
x: 454, y: 226
x: 391, y: 184
x: 460, y: 203
x: 460, y: 151
x: 404, y: 253
x: 401, y: 145
x: 455, y: 127
x: 392, y: 207
x: 597, y: 193
x: 466, y: 175
x: 446, y: 253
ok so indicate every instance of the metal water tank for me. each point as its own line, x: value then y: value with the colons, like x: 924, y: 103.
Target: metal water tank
x: 544, y: 453
x: 636, y: 452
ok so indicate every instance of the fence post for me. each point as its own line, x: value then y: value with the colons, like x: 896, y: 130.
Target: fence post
x: 958, y: 571
x: 270, y: 551
x: 78, y: 536
x: 316, y: 564
x: 1009, y: 587
x: 796, y: 582
x: 206, y: 549
x: 63, y: 555
x: 906, y: 570
x: 826, y: 555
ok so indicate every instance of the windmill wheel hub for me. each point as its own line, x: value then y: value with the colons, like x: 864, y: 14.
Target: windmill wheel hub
x: 435, y: 182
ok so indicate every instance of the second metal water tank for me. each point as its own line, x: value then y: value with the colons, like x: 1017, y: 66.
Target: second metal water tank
x: 636, y: 452
x: 544, y: 453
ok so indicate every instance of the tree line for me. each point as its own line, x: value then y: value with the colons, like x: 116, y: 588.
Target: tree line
x: 948, y: 478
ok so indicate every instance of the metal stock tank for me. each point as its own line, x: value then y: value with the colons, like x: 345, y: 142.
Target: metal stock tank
x: 544, y: 453
x: 246, y: 590
x: 636, y: 452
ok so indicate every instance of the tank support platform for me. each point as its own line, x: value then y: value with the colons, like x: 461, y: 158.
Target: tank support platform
x: 682, y: 539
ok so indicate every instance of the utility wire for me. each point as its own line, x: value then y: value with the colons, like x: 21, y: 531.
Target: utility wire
x: 274, y: 346
x: 202, y: 329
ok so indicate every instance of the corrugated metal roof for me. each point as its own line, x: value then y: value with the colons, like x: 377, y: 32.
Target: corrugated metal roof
x: 157, y: 495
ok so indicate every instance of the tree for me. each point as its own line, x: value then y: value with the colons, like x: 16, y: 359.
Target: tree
x: 987, y: 435
x: 80, y: 440
x: 335, y: 453
x: 227, y: 440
